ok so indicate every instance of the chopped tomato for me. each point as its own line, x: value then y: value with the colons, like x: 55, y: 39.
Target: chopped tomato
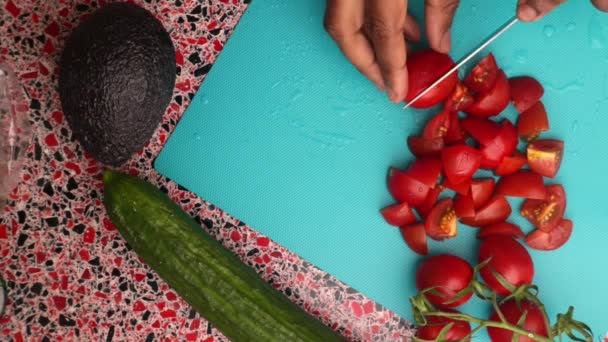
x: 532, y: 122
x: 545, y: 156
x: 415, y: 237
x: 398, y: 214
x: 556, y: 238
x: 438, y: 126
x: 524, y: 184
x: 423, y: 147
x: 460, y: 98
x: 496, y: 210
x: 546, y: 214
x: 525, y: 92
x: 502, y: 228
x: 431, y: 198
x: 482, y: 190
x: 464, y: 206
x: 493, y: 101
x: 503, y: 145
x: 460, y: 162
x: 424, y: 68
x: 511, y: 164
x: 426, y: 170
x: 461, y: 188
x: 405, y: 188
x: 483, y: 77
x: 455, y: 133
x: 441, y: 223
x: 483, y: 130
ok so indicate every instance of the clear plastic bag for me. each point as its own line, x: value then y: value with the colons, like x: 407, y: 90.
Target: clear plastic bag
x: 15, y: 131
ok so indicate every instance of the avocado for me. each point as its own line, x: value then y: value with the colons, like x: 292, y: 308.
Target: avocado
x: 116, y: 78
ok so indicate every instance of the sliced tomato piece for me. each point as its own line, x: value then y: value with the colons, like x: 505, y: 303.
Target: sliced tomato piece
x: 438, y: 126
x: 460, y: 162
x: 502, y: 228
x: 405, y: 188
x: 532, y: 122
x: 398, y: 214
x: 424, y: 68
x: 426, y: 171
x: 415, y: 237
x: 441, y: 223
x: 431, y: 199
x: 455, y: 133
x: 496, y: 210
x: 524, y: 184
x: 460, y: 98
x: 461, y: 188
x: 503, y: 145
x: 483, y: 130
x: 546, y: 214
x: 545, y: 156
x: 493, y: 101
x: 511, y: 164
x: 464, y: 206
x: 525, y: 92
x: 423, y: 147
x: 484, y: 75
x: 553, y: 240
x: 482, y: 190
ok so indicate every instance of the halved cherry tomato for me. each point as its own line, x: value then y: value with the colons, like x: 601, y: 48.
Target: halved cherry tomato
x: 460, y: 99
x: 524, y: 184
x: 460, y: 162
x: 496, y: 210
x: 525, y: 92
x: 483, y: 130
x: 502, y: 228
x: 431, y: 199
x: 503, y: 145
x: 425, y: 67
x: 461, y: 188
x: 545, y: 156
x: 546, y: 214
x: 553, y: 240
x: 507, y: 257
x: 482, y: 190
x: 405, y: 188
x: 532, y: 122
x: 455, y: 133
x: 441, y: 223
x: 447, y: 275
x: 511, y: 164
x: 426, y: 170
x: 398, y: 214
x: 435, y: 324
x: 464, y: 206
x: 423, y: 147
x: 525, y: 314
x: 438, y: 126
x: 415, y: 237
x: 483, y: 77
x: 493, y: 101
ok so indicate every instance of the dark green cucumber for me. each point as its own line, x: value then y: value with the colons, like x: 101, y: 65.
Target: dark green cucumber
x: 212, y: 279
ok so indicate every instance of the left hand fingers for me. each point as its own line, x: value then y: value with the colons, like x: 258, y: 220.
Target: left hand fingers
x: 532, y: 10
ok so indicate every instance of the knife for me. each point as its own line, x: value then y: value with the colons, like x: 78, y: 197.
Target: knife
x: 488, y: 41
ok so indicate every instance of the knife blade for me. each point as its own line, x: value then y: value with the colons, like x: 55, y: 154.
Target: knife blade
x: 485, y: 44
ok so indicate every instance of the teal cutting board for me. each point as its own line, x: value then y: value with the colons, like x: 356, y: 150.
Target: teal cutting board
x: 287, y: 136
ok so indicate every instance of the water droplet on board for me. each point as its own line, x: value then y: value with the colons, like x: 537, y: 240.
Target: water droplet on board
x: 598, y: 32
x: 570, y: 26
x: 473, y: 8
x: 573, y: 127
x: 569, y: 86
x: 197, y: 136
x: 296, y: 96
x: 548, y: 31
x: 521, y: 56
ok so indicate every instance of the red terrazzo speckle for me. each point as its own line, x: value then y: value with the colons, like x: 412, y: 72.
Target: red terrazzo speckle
x: 70, y: 275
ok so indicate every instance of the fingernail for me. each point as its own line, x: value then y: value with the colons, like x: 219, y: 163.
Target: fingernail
x: 381, y: 86
x: 446, y: 42
x: 527, y: 13
x: 393, y: 96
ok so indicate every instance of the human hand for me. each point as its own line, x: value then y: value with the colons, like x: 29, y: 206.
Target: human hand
x: 371, y: 34
x: 532, y: 10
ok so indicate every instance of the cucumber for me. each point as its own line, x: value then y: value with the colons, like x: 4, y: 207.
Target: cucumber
x: 213, y: 280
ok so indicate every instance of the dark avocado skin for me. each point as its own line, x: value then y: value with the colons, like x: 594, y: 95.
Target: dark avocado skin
x: 117, y: 74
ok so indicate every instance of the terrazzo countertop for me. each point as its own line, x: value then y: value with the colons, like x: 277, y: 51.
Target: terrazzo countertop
x: 68, y: 272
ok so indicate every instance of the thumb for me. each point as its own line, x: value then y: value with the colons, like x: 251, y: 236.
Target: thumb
x: 532, y: 10
x: 438, y: 16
